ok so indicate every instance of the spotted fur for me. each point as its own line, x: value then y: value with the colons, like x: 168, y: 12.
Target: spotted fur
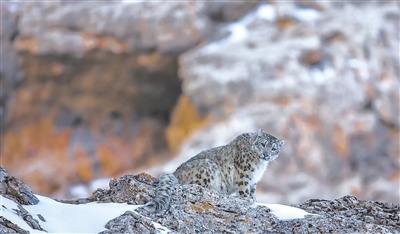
x: 234, y: 168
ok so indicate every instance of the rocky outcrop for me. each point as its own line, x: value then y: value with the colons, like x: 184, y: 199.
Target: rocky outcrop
x: 17, y: 191
x: 196, y: 209
x: 8, y: 227
x: 91, y: 86
x: 14, y: 189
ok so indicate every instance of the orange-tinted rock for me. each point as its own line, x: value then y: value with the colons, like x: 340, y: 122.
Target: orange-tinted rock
x: 285, y: 22
x: 340, y: 141
x: 185, y: 121
x: 82, y: 112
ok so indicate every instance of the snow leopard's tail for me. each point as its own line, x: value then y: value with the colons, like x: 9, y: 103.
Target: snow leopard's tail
x: 165, y: 187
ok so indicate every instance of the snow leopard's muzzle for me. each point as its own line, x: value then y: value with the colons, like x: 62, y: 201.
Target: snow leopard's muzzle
x: 268, y: 157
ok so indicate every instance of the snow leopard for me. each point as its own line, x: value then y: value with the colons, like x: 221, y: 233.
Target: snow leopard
x: 233, y: 168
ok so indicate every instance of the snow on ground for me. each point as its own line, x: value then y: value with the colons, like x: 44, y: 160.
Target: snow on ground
x: 238, y: 30
x: 69, y: 218
x: 7, y: 211
x: 82, y: 190
x: 283, y: 212
x: 307, y: 14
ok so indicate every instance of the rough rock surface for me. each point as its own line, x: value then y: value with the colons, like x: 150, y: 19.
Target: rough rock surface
x: 354, y: 215
x: 17, y: 191
x: 129, y: 223
x: 196, y: 209
x: 8, y: 227
x: 14, y: 189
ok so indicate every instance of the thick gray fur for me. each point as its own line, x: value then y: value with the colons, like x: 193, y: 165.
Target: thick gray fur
x: 233, y: 168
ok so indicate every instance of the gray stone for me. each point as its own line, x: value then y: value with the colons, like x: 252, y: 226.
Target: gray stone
x: 33, y: 223
x: 124, y: 27
x: 129, y: 222
x: 8, y: 227
x: 14, y: 189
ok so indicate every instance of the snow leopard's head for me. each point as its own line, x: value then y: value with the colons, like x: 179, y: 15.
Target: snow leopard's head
x: 267, y: 147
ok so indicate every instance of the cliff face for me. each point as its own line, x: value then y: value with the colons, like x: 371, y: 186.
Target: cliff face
x: 96, y: 89
x: 88, y: 88
x: 192, y: 209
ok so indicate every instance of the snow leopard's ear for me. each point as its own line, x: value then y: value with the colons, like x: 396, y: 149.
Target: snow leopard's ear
x: 281, y: 142
x: 260, y: 132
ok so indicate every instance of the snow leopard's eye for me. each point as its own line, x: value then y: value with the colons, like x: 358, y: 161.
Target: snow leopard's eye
x: 262, y: 144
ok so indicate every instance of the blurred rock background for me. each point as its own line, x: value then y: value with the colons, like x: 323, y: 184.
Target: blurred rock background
x: 97, y: 90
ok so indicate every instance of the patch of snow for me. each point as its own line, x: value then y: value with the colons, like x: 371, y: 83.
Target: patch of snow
x: 69, y: 218
x: 7, y: 211
x: 238, y: 30
x: 82, y: 190
x: 12, y: 7
x: 102, y: 183
x: 266, y: 11
x: 354, y: 63
x: 78, y: 191
x: 132, y: 1
x: 307, y: 14
x: 320, y: 76
x: 161, y: 229
x: 283, y: 212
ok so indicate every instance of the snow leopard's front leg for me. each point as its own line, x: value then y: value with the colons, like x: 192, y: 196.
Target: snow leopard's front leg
x: 245, y: 189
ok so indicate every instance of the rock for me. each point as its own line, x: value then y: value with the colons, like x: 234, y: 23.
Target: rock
x: 17, y: 191
x: 193, y: 208
x: 14, y: 189
x: 230, y: 10
x: 129, y: 223
x: 349, y: 211
x: 116, y: 27
x: 185, y: 119
x: 33, y: 223
x: 97, y: 84
x: 326, y: 82
x: 8, y: 227
x: 10, y: 73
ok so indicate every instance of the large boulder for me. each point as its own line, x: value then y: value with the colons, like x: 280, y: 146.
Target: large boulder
x: 88, y: 88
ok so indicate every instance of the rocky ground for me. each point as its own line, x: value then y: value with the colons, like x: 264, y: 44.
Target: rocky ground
x: 195, y: 209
